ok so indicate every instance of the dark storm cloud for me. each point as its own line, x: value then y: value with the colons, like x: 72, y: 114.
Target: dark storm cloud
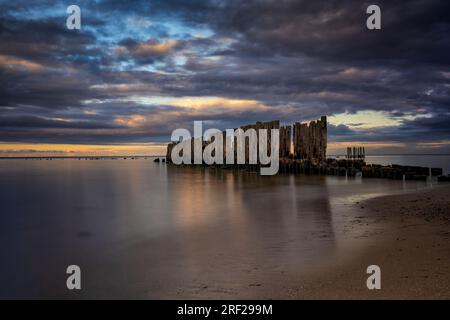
x: 335, y: 30
x: 36, y: 39
x: 38, y: 58
x: 422, y: 127
x: 37, y: 122
x: 300, y: 59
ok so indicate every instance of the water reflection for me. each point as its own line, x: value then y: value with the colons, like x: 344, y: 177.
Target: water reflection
x: 145, y: 230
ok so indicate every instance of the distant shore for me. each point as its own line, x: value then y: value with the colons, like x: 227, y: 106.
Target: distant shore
x: 411, y: 244
x: 78, y: 157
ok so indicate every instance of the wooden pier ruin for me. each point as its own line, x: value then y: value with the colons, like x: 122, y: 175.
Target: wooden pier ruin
x: 302, y: 150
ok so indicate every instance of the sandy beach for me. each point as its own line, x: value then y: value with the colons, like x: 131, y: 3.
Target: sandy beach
x: 410, y: 243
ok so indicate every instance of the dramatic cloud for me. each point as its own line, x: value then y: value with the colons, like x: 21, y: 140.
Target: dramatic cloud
x: 138, y: 69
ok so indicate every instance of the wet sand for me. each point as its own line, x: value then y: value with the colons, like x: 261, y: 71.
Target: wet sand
x: 407, y: 235
x: 410, y: 243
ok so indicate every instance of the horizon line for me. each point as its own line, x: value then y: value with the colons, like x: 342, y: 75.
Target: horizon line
x: 159, y: 156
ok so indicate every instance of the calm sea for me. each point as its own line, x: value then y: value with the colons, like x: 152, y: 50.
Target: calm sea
x: 139, y: 229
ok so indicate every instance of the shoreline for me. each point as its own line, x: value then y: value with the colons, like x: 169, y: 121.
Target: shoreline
x: 413, y: 254
x: 411, y: 245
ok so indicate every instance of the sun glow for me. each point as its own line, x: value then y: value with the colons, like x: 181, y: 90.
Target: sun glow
x: 64, y: 150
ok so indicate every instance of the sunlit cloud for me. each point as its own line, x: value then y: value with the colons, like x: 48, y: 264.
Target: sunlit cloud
x: 16, y: 63
x: 368, y: 119
x: 152, y: 47
x: 185, y: 107
x: 121, y: 88
x: 199, y: 103
x: 133, y: 121
x: 434, y: 144
x: 149, y: 48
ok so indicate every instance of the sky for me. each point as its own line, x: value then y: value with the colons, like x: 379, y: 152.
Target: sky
x: 137, y: 70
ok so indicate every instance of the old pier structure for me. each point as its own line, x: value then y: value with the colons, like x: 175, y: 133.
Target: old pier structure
x: 356, y: 153
x: 309, y: 140
x: 303, y: 149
